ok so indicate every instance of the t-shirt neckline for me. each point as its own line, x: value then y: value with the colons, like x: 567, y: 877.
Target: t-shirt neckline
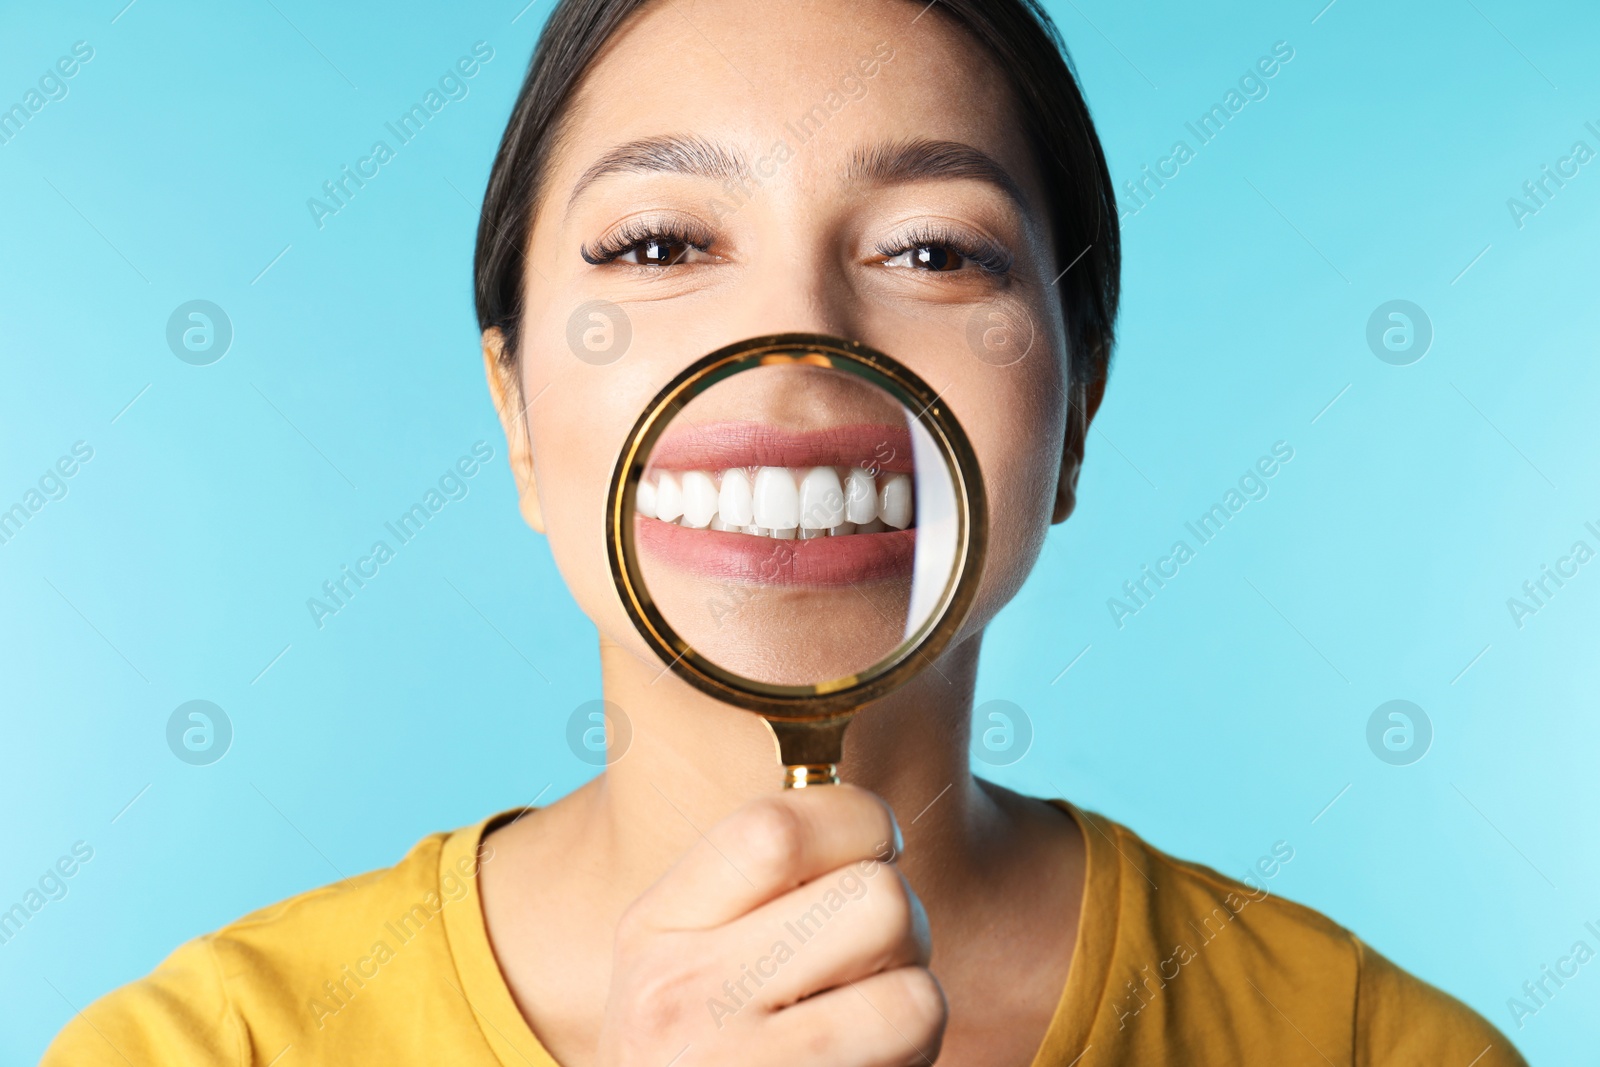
x: 506, y: 1031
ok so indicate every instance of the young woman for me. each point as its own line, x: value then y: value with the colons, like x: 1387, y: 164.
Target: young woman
x: 887, y: 171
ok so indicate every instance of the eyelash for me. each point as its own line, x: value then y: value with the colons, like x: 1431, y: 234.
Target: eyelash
x: 987, y: 255
x: 635, y: 232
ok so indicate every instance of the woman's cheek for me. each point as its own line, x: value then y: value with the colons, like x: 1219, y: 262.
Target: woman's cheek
x: 572, y: 475
x: 1018, y: 439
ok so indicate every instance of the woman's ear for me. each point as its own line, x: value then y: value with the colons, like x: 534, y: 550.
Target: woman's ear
x: 1083, y: 400
x: 505, y: 388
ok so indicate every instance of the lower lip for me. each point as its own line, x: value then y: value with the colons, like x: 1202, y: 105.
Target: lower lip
x: 736, y: 557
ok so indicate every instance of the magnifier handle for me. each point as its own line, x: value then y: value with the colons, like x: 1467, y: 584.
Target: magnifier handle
x: 810, y: 751
x: 806, y: 775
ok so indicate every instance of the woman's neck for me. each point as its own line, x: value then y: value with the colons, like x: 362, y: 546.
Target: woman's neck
x: 692, y: 760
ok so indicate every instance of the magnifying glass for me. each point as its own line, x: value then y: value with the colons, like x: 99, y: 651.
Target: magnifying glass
x: 796, y: 525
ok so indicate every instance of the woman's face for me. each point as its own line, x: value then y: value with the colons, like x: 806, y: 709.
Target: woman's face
x: 732, y: 168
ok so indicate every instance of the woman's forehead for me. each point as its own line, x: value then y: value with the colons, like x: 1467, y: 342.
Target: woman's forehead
x: 832, y: 79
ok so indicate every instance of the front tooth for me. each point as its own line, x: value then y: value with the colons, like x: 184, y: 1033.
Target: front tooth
x: 821, y: 499
x: 645, y: 502
x: 875, y: 526
x: 776, y: 500
x: 758, y: 531
x: 699, y: 499
x: 784, y: 535
x: 894, y: 501
x: 669, y: 498
x: 807, y: 533
x: 842, y: 529
x: 861, y: 496
x: 734, y: 501
x: 718, y: 524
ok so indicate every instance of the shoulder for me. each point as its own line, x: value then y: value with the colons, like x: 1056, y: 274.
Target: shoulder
x: 275, y: 974
x: 1402, y: 1019
x: 1226, y: 959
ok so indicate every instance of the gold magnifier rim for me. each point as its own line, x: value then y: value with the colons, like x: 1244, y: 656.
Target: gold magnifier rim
x: 800, y: 703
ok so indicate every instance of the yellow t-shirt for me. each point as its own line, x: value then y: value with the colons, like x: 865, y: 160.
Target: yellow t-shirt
x: 1174, y: 963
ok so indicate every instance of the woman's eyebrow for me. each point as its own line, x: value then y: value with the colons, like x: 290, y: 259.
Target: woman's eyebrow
x: 920, y: 159
x: 673, y: 154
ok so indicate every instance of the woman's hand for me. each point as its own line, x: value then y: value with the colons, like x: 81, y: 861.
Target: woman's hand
x: 785, y: 936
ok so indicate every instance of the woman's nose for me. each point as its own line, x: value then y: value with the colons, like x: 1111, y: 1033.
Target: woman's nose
x: 812, y: 293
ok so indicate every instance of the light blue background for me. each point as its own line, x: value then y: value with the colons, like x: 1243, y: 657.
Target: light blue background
x: 1222, y: 718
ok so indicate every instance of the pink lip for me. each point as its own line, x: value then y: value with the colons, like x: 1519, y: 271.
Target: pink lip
x: 720, y: 445
x: 737, y: 557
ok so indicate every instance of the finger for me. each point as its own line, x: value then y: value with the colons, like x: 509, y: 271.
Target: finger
x: 847, y: 925
x: 891, y: 1019
x: 765, y: 849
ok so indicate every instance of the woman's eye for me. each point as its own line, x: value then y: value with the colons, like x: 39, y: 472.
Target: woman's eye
x: 933, y: 250
x: 928, y: 257
x: 658, y: 252
x: 639, y: 246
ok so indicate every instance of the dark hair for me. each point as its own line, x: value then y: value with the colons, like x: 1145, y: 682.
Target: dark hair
x: 1025, y: 45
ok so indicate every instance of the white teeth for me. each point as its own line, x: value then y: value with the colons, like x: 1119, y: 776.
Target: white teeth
x: 785, y: 503
x: 669, y: 498
x: 734, y: 501
x: 700, y: 499
x: 861, y: 496
x: 894, y: 501
x: 777, y: 500
x: 821, y: 499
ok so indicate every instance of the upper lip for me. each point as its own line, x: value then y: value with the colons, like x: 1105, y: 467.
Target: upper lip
x: 720, y: 445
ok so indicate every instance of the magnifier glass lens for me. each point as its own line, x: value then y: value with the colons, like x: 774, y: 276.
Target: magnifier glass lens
x: 796, y: 524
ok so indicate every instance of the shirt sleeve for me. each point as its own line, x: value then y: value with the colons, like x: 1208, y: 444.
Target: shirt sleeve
x: 1402, y: 1020
x: 179, y: 1015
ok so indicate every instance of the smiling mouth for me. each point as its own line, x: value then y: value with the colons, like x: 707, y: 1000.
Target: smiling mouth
x: 839, y: 501
x: 762, y: 481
